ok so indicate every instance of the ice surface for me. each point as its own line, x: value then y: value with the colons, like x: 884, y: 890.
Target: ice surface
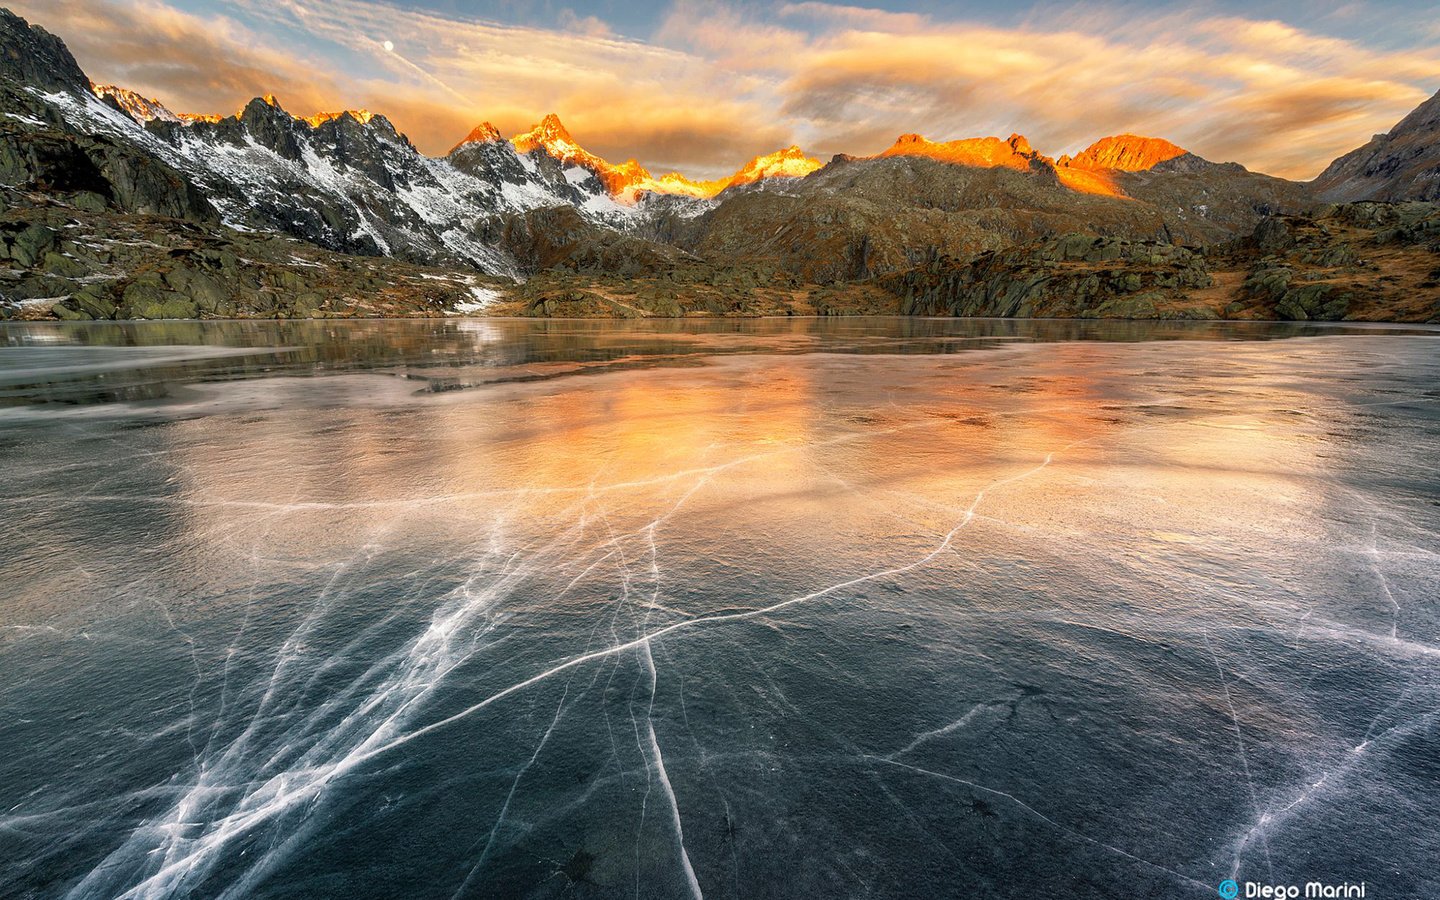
x: 777, y: 609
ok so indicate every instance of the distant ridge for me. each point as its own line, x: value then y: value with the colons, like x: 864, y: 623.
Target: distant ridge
x: 629, y: 180
x: 1403, y: 164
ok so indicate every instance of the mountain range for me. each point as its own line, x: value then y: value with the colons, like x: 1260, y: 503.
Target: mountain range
x: 540, y: 204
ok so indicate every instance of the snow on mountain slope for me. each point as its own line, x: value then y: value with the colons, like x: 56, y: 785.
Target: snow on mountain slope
x: 347, y: 180
x: 141, y: 108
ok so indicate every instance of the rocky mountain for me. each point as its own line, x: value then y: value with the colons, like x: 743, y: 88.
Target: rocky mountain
x: 630, y: 181
x: 34, y: 57
x: 142, y: 109
x: 1403, y: 164
x: 346, y: 181
x: 1123, y: 153
x: 984, y: 153
x: 772, y: 168
x: 66, y: 261
x: 860, y: 217
x: 111, y: 204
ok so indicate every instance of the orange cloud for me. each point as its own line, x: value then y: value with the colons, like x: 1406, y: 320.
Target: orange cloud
x: 1267, y: 94
x: 717, y: 84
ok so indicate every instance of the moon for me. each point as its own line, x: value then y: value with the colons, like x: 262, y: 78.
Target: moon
x: 389, y: 46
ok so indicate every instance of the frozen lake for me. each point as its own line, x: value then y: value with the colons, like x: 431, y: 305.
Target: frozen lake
x: 775, y: 608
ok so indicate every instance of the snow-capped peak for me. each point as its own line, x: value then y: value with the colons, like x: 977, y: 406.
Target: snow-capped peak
x: 142, y: 109
x: 788, y: 163
x: 552, y: 136
x: 363, y: 116
x: 484, y: 133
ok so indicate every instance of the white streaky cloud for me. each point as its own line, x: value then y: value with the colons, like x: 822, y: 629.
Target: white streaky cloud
x: 716, y: 84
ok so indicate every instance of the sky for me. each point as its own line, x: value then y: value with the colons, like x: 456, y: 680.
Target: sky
x: 702, y: 87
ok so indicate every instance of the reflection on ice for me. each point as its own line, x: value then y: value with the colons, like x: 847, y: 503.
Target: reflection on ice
x: 1034, y: 619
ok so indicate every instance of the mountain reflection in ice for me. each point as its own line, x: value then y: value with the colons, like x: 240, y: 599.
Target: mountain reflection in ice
x: 785, y: 609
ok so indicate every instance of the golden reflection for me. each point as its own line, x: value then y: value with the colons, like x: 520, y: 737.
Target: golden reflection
x: 853, y: 460
x: 545, y: 455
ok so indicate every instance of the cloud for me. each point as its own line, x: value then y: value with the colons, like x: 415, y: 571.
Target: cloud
x: 857, y: 17
x: 192, y: 62
x: 716, y: 84
x: 587, y: 25
x: 619, y: 97
x: 1266, y: 93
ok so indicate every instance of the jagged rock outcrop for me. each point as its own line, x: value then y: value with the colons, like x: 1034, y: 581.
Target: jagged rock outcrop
x: 140, y: 108
x: 772, y: 168
x: 1014, y: 152
x: 559, y: 238
x: 1367, y: 261
x: 40, y: 151
x: 1075, y: 275
x: 33, y: 56
x: 1124, y: 153
x: 1403, y: 164
x: 550, y: 143
x: 70, y: 262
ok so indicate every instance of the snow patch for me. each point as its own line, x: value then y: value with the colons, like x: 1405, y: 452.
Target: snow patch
x: 484, y: 297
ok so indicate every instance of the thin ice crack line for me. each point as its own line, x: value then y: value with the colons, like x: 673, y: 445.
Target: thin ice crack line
x: 1373, y: 553
x: 244, y: 820
x: 234, y: 647
x: 944, y: 545
x: 1263, y: 815
x: 656, y: 764
x: 514, y: 786
x: 705, y: 773
x: 1353, y: 757
x: 1044, y: 818
x: 664, y: 778
x: 951, y: 728
x: 312, y: 776
x: 910, y: 816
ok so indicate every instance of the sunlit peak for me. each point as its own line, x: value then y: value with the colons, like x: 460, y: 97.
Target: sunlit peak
x: 986, y: 152
x: 484, y: 133
x: 1124, y: 153
x: 363, y: 116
